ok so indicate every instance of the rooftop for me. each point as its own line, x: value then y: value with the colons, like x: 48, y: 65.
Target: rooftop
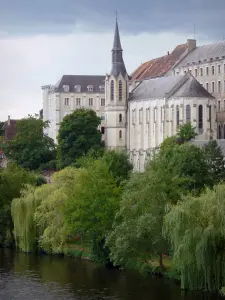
x: 80, y: 83
x: 158, y: 67
x: 204, y: 53
x: 168, y: 86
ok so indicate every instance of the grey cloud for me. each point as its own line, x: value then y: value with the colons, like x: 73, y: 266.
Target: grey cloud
x: 57, y: 16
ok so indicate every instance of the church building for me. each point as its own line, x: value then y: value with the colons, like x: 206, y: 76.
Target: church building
x: 135, y: 118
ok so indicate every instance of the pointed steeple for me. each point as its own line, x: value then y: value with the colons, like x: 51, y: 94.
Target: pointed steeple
x: 116, y: 43
x: 118, y: 66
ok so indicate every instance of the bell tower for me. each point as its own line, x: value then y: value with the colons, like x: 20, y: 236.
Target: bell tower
x: 116, y: 90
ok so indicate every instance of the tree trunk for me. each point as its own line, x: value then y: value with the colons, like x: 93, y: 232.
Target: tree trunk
x: 161, y: 262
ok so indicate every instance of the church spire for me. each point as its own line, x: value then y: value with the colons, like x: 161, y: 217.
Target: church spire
x: 118, y: 66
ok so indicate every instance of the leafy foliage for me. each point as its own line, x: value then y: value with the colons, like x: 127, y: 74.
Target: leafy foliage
x: 215, y: 161
x: 186, y: 132
x: 91, y: 210
x: 78, y: 134
x: 12, y: 180
x: 30, y: 148
x: 196, y: 229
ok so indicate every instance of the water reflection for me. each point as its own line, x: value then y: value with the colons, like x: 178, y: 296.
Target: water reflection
x: 34, y: 277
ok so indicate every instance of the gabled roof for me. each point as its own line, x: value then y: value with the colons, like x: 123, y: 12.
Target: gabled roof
x: 158, y: 67
x: 83, y: 80
x: 168, y: 86
x: 204, y: 53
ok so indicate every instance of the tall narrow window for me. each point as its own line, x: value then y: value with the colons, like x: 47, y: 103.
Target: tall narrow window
x: 219, y: 132
x: 120, y: 134
x: 219, y: 86
x: 66, y: 101
x: 218, y: 105
x: 213, y: 87
x: 200, y: 118
x: 120, y: 91
x: 201, y: 71
x: 178, y: 115
x: 120, y: 118
x: 213, y: 70
x: 90, y: 101
x: 218, y: 69
x: 188, y: 113
x: 207, y: 86
x: 112, y: 91
x: 207, y: 70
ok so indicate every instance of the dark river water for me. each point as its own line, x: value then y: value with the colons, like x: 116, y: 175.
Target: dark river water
x: 29, y: 277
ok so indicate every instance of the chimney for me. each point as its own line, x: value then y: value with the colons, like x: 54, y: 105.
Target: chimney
x: 191, y: 43
x: 9, y: 120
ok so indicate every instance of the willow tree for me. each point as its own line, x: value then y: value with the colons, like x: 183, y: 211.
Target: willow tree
x: 196, y: 230
x: 49, y: 215
x: 26, y: 232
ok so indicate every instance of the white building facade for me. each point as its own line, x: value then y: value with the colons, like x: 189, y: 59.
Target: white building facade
x: 135, y: 121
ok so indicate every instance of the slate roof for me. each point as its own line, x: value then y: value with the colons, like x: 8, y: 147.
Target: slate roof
x: 204, y: 53
x: 118, y: 66
x: 158, y: 67
x: 83, y: 80
x: 168, y: 86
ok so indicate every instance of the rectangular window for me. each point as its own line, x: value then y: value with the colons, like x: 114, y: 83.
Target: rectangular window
x: 103, y: 117
x: 196, y: 72
x: 207, y: 70
x: 213, y: 70
x: 218, y: 69
x: 213, y: 87
x: 147, y: 115
x: 201, y: 71
x: 218, y: 105
x: 133, y: 116
x: 154, y: 114
x: 219, y: 86
x: 103, y: 102
x: 140, y: 115
x: 66, y: 101
x: 90, y: 101
x: 207, y: 86
x: 78, y: 102
x: 103, y: 130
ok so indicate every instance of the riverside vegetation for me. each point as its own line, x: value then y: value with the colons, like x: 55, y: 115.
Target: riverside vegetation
x: 169, y: 219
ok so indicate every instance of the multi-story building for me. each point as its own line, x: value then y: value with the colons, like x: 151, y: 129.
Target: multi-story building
x: 70, y: 93
x: 135, y: 118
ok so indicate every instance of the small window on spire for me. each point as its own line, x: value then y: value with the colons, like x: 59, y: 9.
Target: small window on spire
x: 112, y: 90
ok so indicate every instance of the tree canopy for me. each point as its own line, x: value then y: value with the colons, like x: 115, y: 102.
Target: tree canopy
x: 30, y: 148
x: 78, y: 134
x: 196, y: 230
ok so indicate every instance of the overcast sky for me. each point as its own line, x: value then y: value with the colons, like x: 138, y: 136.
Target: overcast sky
x: 42, y: 40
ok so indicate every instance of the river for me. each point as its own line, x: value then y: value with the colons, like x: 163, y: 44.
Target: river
x: 30, y: 277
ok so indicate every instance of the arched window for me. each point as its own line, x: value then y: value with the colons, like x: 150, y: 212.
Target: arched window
x: 200, y: 118
x: 120, y: 134
x: 219, y: 132
x: 112, y: 90
x: 120, y: 118
x: 188, y: 113
x: 120, y: 91
x: 178, y: 115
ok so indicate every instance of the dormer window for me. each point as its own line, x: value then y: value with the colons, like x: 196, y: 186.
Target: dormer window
x: 90, y: 88
x: 77, y: 88
x: 66, y: 88
x: 102, y: 89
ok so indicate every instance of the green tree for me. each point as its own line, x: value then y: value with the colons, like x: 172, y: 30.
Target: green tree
x: 196, y: 229
x: 30, y: 148
x: 78, y: 134
x: 137, y: 232
x: 215, y: 161
x: 186, y: 132
x: 12, y: 181
x: 91, y: 210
